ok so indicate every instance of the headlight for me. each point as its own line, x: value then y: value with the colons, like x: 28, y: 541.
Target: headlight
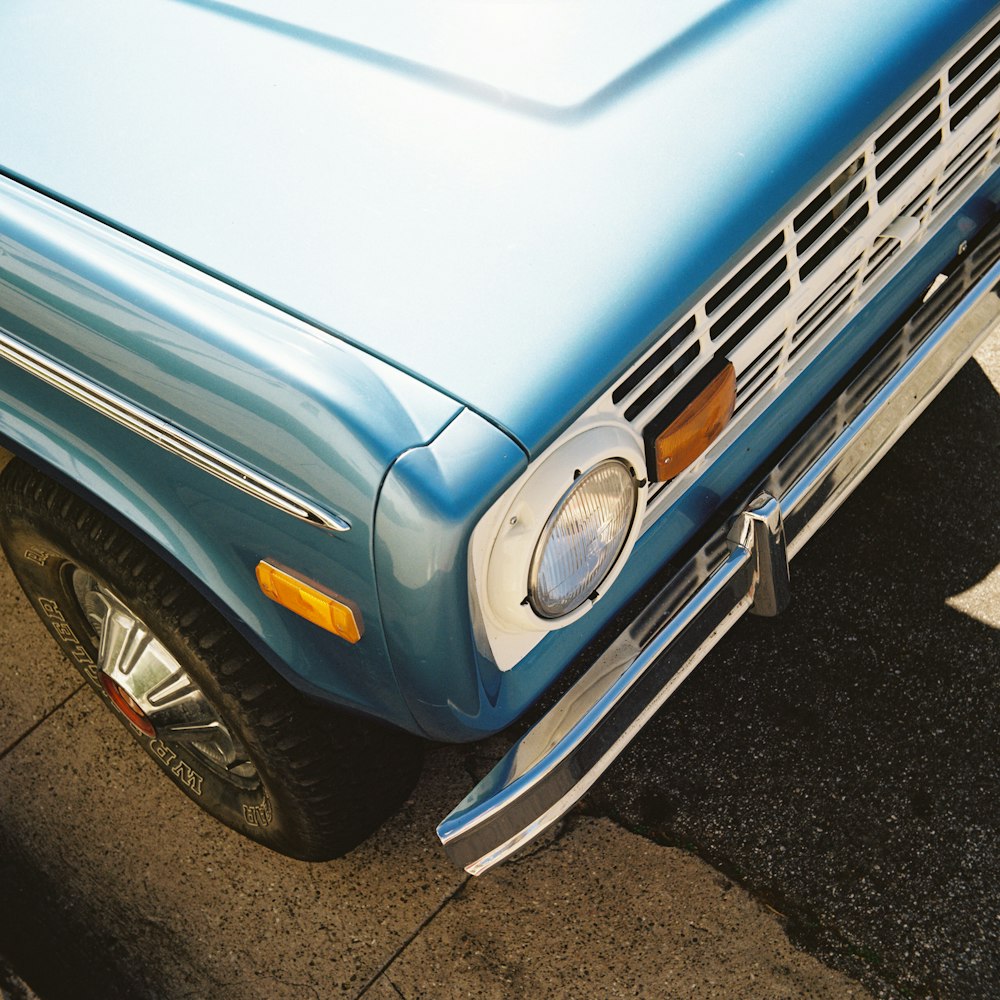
x: 559, y: 537
x: 582, y: 539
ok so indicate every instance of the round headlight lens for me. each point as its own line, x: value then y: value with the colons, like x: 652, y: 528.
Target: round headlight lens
x: 582, y: 539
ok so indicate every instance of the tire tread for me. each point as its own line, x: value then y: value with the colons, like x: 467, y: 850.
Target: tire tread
x: 342, y: 774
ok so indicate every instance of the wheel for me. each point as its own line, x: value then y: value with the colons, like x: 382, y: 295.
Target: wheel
x: 229, y: 732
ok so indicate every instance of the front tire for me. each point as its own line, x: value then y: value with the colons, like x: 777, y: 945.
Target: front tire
x: 218, y: 721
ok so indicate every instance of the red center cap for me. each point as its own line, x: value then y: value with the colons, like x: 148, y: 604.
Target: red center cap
x: 126, y: 704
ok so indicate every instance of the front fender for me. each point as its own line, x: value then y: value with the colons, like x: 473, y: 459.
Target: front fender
x: 288, y: 400
x: 431, y: 500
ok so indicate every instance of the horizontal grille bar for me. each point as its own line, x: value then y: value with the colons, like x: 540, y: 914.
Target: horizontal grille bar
x: 805, y: 279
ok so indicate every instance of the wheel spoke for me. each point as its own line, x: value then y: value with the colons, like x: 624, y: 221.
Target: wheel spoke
x: 210, y: 738
x: 166, y: 695
x: 123, y: 643
x: 123, y: 640
x: 171, y: 690
x: 203, y: 732
x: 213, y: 740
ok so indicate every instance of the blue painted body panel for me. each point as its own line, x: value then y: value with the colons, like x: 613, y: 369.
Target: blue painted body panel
x: 450, y: 705
x: 436, y: 245
x: 447, y: 212
x: 431, y: 499
x: 316, y: 414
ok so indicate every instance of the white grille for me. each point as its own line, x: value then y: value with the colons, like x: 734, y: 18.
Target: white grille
x: 780, y: 305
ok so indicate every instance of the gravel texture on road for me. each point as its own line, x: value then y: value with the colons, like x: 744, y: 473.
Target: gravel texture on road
x: 842, y: 761
x: 113, y: 886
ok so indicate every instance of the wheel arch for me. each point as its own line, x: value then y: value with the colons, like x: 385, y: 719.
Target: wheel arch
x: 219, y: 722
x: 216, y: 566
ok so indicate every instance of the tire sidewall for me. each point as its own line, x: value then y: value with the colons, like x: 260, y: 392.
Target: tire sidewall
x: 42, y: 558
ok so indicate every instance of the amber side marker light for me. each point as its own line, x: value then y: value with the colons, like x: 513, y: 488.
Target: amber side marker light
x: 680, y: 433
x: 334, y: 614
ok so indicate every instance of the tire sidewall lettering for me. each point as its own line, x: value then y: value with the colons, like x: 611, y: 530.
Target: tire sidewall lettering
x: 64, y: 633
x: 185, y: 774
x: 259, y: 814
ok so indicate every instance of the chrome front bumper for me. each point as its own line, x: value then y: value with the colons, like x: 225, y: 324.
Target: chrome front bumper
x: 744, y: 567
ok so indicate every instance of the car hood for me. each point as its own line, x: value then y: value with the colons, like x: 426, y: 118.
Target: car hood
x: 505, y: 199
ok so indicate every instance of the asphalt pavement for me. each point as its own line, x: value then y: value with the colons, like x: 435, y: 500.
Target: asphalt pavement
x: 114, y: 886
x: 816, y: 806
x: 842, y: 761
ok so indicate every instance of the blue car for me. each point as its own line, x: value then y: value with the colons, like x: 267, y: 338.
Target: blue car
x: 371, y: 375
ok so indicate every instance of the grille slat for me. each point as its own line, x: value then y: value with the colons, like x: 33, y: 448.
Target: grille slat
x: 838, y: 237
x: 656, y: 387
x: 968, y: 73
x: 750, y: 321
x: 668, y: 349
x: 756, y: 386
x: 965, y: 108
x: 833, y: 218
x: 767, y: 370
x: 831, y: 193
x: 833, y: 237
x: 917, y: 159
x: 919, y: 205
x: 762, y: 360
x: 798, y: 286
x: 820, y: 306
x: 967, y: 160
x: 974, y: 55
x: 749, y: 301
x: 927, y: 127
x: 768, y: 261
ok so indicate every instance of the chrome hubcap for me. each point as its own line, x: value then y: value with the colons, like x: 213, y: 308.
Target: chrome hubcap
x: 159, y: 695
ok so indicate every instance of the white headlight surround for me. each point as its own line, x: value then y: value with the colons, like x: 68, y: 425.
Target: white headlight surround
x: 512, y: 570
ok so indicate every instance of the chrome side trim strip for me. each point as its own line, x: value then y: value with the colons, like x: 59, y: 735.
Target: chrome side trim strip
x: 555, y: 762
x: 164, y: 434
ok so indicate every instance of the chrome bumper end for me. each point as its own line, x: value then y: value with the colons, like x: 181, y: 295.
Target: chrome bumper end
x: 744, y: 568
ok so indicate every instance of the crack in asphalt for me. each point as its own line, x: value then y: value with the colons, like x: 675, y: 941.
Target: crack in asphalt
x: 410, y: 938
x: 395, y: 988
x: 18, y: 740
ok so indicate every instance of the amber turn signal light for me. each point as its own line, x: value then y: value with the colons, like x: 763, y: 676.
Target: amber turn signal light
x: 678, y: 435
x: 324, y: 610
